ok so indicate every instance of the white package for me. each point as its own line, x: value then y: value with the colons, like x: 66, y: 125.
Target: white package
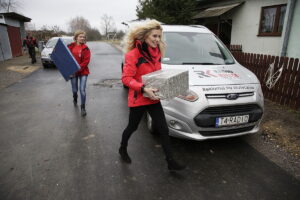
x: 170, y: 83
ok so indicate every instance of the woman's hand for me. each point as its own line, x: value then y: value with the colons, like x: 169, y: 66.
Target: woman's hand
x: 151, y: 93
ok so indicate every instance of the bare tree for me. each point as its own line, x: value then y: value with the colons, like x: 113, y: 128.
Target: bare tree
x: 79, y: 23
x: 9, y: 5
x: 83, y: 24
x: 120, y: 34
x: 56, y: 29
x: 3, y: 5
x: 45, y: 32
x: 107, y: 24
x: 93, y: 34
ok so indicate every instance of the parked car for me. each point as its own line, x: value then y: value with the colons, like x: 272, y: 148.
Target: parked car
x: 224, y: 99
x: 48, y: 48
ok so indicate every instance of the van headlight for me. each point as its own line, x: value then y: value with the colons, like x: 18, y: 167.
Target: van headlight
x: 189, y: 96
x: 45, y: 55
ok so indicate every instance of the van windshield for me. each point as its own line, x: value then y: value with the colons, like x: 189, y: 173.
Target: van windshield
x: 195, y: 48
x: 52, y: 42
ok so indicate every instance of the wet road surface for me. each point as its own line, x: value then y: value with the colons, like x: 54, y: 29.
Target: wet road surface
x: 48, y: 151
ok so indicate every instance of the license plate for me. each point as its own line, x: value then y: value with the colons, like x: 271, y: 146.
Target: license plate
x: 232, y: 120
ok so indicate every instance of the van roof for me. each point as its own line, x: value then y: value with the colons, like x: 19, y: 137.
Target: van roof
x: 186, y: 28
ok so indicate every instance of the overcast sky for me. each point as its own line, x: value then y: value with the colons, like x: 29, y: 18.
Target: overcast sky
x: 59, y: 12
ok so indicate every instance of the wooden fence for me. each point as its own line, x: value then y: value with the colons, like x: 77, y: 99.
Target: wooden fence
x: 286, y: 91
x: 235, y: 48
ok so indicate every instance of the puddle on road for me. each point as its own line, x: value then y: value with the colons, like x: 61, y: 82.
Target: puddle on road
x: 110, y: 83
x: 23, y: 69
x: 88, y: 137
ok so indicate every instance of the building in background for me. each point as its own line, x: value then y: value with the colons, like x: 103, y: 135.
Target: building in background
x: 12, y: 32
x: 263, y: 27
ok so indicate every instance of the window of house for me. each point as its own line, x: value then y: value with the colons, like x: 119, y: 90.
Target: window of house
x: 271, y: 20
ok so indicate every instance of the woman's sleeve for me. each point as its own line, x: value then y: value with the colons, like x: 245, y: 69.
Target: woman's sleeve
x: 129, y: 71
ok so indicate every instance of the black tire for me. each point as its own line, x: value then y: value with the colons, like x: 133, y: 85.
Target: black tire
x: 150, y: 125
x: 124, y: 86
x: 45, y: 66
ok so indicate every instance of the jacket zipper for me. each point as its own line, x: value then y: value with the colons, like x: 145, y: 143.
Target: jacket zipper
x: 135, y: 96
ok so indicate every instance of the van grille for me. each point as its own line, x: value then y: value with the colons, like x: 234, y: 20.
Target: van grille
x: 230, y: 109
x: 224, y: 96
x: 225, y: 132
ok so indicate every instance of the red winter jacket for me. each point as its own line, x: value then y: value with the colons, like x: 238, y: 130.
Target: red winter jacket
x: 83, y: 57
x: 30, y: 42
x: 138, y: 63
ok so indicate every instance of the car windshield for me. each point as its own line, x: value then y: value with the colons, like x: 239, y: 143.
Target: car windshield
x: 52, y: 42
x: 195, y: 48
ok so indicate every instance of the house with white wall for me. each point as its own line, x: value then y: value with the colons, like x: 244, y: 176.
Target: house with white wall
x: 12, y: 31
x: 260, y: 26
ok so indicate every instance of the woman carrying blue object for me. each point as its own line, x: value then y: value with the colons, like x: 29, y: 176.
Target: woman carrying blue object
x: 82, y: 55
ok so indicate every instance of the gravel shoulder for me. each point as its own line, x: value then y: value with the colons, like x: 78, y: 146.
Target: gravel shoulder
x: 13, y: 70
x: 279, y: 137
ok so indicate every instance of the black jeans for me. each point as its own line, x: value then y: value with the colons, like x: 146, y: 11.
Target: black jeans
x: 158, y: 118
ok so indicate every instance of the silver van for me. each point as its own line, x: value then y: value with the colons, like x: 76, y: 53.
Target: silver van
x: 224, y: 100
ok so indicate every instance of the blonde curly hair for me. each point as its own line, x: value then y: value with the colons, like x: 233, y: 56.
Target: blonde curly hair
x: 141, y: 32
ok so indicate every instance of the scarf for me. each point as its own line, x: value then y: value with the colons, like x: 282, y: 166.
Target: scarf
x: 151, y: 54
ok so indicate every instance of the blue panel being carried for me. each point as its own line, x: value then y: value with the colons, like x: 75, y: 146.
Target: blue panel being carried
x: 64, y: 60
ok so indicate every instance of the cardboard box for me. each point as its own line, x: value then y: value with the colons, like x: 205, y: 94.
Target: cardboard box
x: 170, y: 83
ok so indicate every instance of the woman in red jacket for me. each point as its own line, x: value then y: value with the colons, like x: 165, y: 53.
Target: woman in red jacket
x: 144, y: 47
x: 82, y: 55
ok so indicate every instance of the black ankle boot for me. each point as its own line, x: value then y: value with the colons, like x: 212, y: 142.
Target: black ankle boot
x: 174, y: 166
x: 124, y: 155
x: 83, y: 111
x: 75, y: 99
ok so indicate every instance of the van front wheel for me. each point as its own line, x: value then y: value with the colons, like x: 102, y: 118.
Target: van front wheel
x: 150, y: 125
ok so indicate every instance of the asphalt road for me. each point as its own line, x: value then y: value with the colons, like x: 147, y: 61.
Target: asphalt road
x: 48, y: 151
